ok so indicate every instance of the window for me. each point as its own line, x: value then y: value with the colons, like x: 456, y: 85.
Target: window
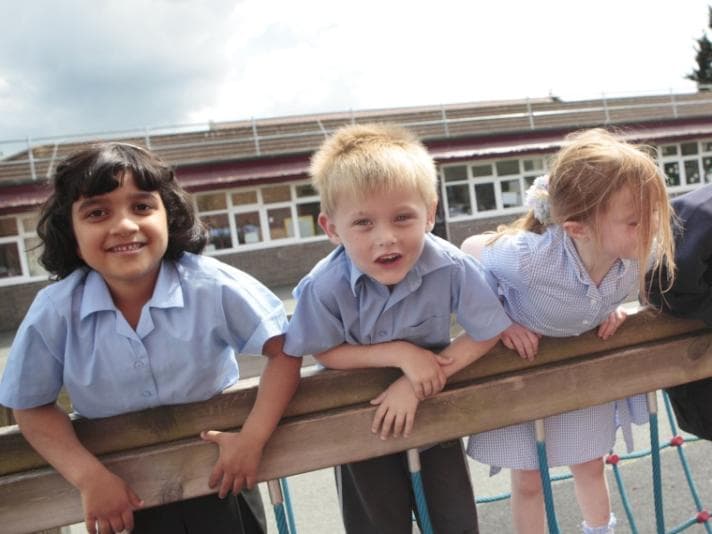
x: 484, y: 188
x: 259, y: 216
x: 686, y: 164
x: 20, y: 249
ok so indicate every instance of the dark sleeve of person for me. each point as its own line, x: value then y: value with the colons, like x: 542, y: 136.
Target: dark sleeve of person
x: 691, y: 294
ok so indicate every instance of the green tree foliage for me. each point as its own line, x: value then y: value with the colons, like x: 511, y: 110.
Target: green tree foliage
x: 703, y: 73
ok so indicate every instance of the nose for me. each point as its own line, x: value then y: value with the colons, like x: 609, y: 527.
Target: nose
x: 386, y: 237
x: 125, y: 224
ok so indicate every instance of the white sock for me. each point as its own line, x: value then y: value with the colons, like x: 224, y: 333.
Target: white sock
x: 606, y: 529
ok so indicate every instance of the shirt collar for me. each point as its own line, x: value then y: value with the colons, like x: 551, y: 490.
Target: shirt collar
x: 166, y: 294
x: 617, y: 271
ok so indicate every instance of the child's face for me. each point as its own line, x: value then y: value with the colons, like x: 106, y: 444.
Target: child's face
x: 383, y: 233
x: 122, y: 235
x: 619, y: 227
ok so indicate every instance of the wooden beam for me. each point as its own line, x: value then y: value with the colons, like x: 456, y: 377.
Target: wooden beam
x: 318, y: 392
x: 165, y: 473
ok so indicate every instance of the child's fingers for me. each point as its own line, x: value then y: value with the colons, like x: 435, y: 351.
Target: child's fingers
x: 442, y: 380
x: 90, y: 523
x: 210, y: 435
x: 507, y: 342
x: 398, y: 424
x: 419, y: 390
x: 387, y: 425
x: 127, y: 517
x: 427, y: 389
x: 225, y: 486
x: 215, y: 476
x: 237, y: 485
x: 378, y: 417
x: 250, y: 481
x: 409, y: 420
x: 104, y: 526
x: 521, y: 348
x: 135, y: 501
x: 443, y: 360
x: 117, y: 524
x: 379, y: 399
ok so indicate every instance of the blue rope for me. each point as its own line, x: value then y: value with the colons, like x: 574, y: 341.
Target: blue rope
x: 657, y: 478
x: 685, y: 466
x: 425, y: 526
x: 624, y: 497
x: 280, y: 518
x: 546, y: 485
x: 288, y: 503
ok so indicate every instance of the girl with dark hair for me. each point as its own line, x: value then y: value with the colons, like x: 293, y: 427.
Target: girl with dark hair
x: 139, y: 319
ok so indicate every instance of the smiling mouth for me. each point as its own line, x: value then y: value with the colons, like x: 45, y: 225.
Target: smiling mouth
x: 130, y: 247
x: 388, y: 258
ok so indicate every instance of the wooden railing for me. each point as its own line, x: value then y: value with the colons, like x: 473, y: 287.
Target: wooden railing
x: 158, y: 453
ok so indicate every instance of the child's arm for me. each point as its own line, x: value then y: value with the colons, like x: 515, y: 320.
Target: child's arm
x: 241, y: 452
x: 107, y: 500
x: 398, y: 403
x: 423, y: 368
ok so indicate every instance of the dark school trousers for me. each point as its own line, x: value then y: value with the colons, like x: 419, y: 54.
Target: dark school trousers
x: 241, y: 514
x: 377, y: 498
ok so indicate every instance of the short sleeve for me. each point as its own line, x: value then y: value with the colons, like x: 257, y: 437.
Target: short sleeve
x: 253, y: 314
x: 316, y: 324
x: 34, y: 372
x: 475, y: 302
x: 508, y: 259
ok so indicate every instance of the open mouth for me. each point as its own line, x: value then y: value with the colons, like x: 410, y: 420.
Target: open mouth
x: 388, y: 258
x: 129, y: 247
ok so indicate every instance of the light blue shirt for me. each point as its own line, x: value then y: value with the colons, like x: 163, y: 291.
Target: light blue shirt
x: 183, y: 348
x: 337, y: 303
x: 546, y: 287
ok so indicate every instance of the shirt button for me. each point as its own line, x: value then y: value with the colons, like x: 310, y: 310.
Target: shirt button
x: 382, y: 333
x: 593, y: 302
x: 147, y: 393
x: 138, y: 365
x: 585, y: 321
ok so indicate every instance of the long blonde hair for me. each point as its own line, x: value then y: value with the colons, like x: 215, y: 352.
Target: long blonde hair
x: 589, y: 169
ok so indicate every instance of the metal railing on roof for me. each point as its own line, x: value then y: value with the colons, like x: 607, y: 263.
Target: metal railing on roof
x: 35, y: 159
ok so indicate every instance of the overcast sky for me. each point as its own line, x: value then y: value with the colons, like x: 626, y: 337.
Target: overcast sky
x: 78, y: 66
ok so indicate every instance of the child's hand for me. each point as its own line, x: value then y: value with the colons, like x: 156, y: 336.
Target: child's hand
x: 108, y: 503
x: 424, y: 370
x: 237, y: 464
x: 521, y: 339
x: 608, y: 327
x: 396, y: 410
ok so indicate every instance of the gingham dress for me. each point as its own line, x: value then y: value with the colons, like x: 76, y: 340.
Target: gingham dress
x: 545, y: 287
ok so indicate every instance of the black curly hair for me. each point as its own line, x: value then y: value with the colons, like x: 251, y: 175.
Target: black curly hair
x: 98, y: 170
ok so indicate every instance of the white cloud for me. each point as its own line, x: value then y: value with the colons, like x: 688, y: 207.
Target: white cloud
x: 112, y: 65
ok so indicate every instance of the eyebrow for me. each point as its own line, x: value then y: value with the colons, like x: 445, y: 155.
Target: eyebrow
x: 96, y: 200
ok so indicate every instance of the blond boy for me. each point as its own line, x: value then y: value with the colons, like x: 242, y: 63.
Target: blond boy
x: 383, y: 298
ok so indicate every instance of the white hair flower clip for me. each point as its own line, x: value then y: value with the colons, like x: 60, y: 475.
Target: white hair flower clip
x: 537, y: 199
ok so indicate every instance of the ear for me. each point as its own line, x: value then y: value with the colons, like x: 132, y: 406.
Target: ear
x: 577, y: 230
x: 430, y: 217
x: 329, y: 228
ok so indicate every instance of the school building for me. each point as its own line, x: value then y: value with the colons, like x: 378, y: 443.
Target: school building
x: 250, y: 184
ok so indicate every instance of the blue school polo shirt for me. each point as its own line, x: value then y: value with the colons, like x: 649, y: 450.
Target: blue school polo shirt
x: 337, y: 303
x: 183, y: 349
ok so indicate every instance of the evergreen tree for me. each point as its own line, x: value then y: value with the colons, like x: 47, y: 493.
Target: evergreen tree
x: 703, y: 73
